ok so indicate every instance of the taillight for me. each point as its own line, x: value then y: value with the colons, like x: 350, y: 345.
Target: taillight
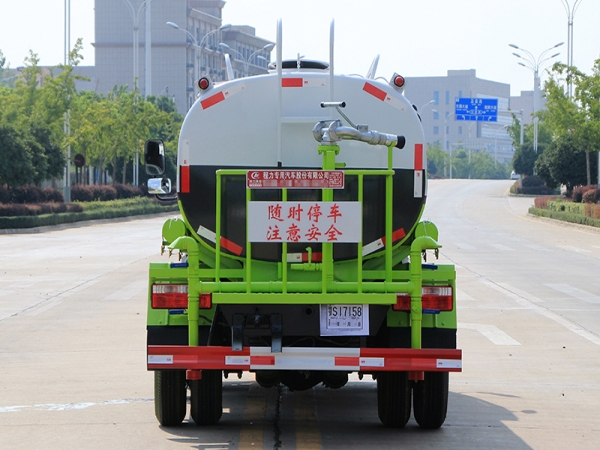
x: 434, y: 299
x: 169, y: 296
x: 205, y: 301
x: 175, y: 296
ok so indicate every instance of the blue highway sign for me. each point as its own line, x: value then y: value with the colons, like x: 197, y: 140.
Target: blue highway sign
x: 478, y: 109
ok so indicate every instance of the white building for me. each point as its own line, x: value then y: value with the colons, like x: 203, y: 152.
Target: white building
x: 435, y: 99
x: 178, y: 55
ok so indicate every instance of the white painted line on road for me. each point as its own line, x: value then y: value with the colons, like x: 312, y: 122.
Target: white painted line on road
x: 502, y: 248
x: 571, y: 248
x: 594, y: 338
x: 574, y: 292
x: 492, y: 332
x: 72, y: 406
x: 537, y: 248
x: 128, y: 291
x: 462, y: 295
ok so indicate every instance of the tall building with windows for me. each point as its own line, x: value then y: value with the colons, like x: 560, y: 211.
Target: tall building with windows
x: 180, y: 53
x: 435, y: 97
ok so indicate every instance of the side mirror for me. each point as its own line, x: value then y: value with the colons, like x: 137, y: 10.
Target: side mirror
x: 159, y: 186
x: 154, y: 156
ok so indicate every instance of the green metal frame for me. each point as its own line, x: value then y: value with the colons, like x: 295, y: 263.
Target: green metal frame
x: 251, y: 282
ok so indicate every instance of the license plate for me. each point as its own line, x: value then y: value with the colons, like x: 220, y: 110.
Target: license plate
x: 344, y: 320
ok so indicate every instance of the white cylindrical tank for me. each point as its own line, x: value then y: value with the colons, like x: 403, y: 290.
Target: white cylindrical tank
x: 237, y: 124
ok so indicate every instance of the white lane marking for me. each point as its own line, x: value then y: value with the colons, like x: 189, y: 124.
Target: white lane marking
x: 464, y: 246
x: 571, y: 326
x: 492, y: 332
x: 574, y: 292
x: 521, y: 293
x: 72, y: 406
x: 571, y: 248
x: 128, y: 291
x: 537, y: 248
x: 462, y: 295
x: 502, y: 248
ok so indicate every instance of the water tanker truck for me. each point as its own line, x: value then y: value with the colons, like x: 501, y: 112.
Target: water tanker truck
x: 302, y: 254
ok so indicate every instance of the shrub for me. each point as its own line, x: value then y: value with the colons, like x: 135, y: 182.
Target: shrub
x: 53, y: 195
x: 126, y: 191
x: 80, y: 193
x: 591, y: 196
x: 24, y: 209
x: 592, y: 210
x: 92, y: 192
x: 579, y: 191
x: 4, y: 194
x: 27, y: 194
x: 542, y: 202
x: 531, y: 181
x: 565, y: 206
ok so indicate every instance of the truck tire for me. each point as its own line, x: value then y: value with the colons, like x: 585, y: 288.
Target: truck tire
x: 393, y: 398
x: 206, y: 396
x: 169, y: 397
x: 430, y: 398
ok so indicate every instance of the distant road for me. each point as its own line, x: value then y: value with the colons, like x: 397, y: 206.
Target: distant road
x: 72, y: 343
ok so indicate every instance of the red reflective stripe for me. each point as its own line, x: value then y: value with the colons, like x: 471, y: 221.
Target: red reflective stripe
x: 212, y: 100
x: 396, y: 235
x: 418, y: 156
x: 262, y: 360
x: 375, y: 91
x: 292, y: 82
x: 316, y: 256
x: 396, y: 359
x: 185, y: 179
x: 231, y: 246
x: 347, y: 361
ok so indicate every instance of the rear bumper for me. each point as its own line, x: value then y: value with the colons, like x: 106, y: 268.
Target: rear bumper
x: 304, y: 358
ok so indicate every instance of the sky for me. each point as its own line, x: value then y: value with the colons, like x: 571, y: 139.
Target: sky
x: 413, y: 38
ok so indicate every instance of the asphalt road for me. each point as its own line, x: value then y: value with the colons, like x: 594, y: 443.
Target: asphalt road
x: 72, y: 343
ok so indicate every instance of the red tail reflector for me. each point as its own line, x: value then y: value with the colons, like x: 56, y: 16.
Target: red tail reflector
x: 169, y: 296
x: 434, y: 298
x: 205, y: 301
x: 175, y: 296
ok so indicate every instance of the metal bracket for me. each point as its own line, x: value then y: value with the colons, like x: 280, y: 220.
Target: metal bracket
x: 276, y: 333
x: 237, y: 333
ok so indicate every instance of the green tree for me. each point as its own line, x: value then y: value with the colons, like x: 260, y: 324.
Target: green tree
x: 17, y: 166
x: 562, y: 163
x: 577, y: 118
x: 524, y: 157
x: 437, y: 160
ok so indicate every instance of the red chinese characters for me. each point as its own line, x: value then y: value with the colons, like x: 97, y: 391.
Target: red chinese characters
x: 304, y: 222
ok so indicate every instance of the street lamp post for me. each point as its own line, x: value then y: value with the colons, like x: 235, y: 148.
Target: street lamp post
x: 430, y: 102
x: 570, y: 10
x: 534, y: 64
x: 246, y: 62
x: 135, y: 15
x: 67, y: 116
x: 198, y: 46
